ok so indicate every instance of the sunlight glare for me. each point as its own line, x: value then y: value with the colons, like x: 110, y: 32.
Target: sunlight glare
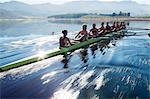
x: 41, y: 54
x: 65, y: 94
x: 48, y: 75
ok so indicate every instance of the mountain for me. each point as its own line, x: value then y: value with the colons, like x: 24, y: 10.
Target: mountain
x: 4, y: 14
x: 19, y: 9
x: 107, y: 7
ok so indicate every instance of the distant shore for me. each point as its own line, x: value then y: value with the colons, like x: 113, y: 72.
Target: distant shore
x: 105, y: 18
x: 87, y: 18
x: 108, y: 18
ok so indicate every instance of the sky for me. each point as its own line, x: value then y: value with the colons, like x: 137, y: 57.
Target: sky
x: 64, y: 1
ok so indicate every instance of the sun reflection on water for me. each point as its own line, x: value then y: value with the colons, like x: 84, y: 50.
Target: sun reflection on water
x: 73, y: 85
x: 41, y: 54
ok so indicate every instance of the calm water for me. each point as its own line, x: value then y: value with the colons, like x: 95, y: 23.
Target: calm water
x: 118, y: 69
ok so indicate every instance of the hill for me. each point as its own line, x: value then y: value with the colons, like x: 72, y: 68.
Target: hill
x: 20, y: 9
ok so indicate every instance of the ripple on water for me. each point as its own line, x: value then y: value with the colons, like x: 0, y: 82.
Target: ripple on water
x: 108, y: 82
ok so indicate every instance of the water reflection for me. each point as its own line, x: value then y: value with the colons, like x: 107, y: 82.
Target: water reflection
x: 66, y: 21
x: 34, y: 27
x: 47, y: 27
x: 94, y: 48
x: 84, y: 55
x: 65, y: 60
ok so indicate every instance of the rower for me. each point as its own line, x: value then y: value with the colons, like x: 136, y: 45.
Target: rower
x: 108, y: 28
x: 94, y: 31
x: 123, y: 25
x: 102, y: 29
x: 83, y: 34
x: 117, y: 28
x: 113, y: 27
x: 64, y: 41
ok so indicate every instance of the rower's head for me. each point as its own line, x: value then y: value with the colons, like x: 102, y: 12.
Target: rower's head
x: 121, y: 23
x: 84, y: 27
x: 117, y: 23
x: 94, y: 25
x: 65, y: 32
x: 114, y: 23
x: 107, y: 23
x: 102, y: 24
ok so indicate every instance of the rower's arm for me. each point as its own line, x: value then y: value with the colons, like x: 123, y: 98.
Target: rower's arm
x: 90, y: 33
x: 113, y: 29
x: 77, y: 35
x: 99, y: 30
x: 69, y: 41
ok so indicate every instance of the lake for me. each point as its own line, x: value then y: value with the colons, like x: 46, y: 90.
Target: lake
x: 119, y: 69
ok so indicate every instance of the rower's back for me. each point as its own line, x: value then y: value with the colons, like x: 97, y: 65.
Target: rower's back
x: 117, y: 28
x: 113, y: 27
x: 108, y: 28
x: 94, y: 31
x: 123, y: 25
x: 83, y: 34
x: 102, y: 29
x: 64, y: 40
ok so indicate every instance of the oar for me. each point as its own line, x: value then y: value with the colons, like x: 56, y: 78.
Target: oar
x: 136, y: 28
x: 74, y: 41
x: 136, y: 33
x: 139, y: 35
x: 129, y: 34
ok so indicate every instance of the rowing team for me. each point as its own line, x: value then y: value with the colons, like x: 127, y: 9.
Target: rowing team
x: 83, y: 35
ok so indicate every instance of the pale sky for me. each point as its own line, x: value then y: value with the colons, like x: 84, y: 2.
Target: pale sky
x: 64, y: 1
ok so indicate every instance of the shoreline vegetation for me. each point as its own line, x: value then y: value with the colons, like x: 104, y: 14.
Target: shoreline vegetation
x: 121, y: 16
x: 118, y: 18
x: 86, y: 18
